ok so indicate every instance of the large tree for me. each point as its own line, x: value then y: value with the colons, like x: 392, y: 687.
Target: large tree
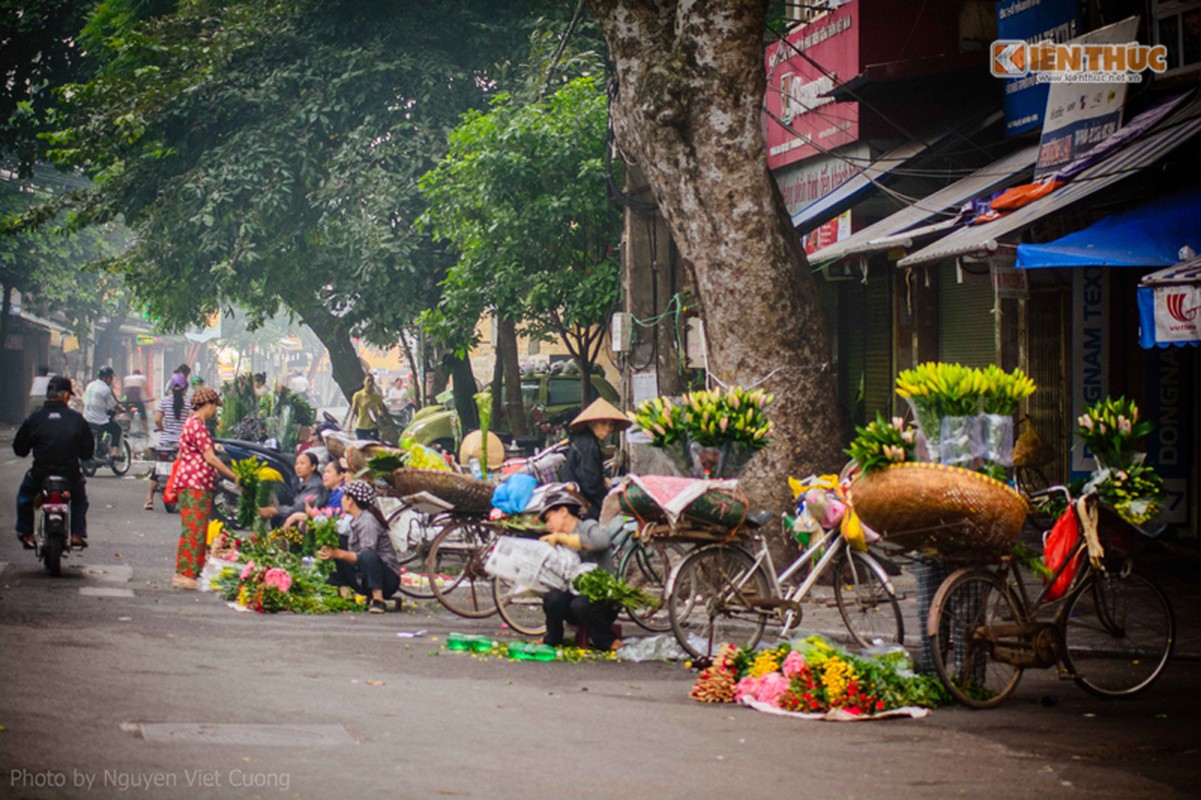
x: 267, y: 154
x: 690, y: 87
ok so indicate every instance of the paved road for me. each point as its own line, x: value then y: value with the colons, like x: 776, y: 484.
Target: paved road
x: 116, y: 685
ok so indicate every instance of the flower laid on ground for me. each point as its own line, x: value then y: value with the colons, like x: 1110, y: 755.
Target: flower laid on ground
x: 272, y: 578
x: 815, y: 676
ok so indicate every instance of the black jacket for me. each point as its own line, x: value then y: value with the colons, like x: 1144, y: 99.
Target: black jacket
x: 59, y: 438
x: 586, y: 466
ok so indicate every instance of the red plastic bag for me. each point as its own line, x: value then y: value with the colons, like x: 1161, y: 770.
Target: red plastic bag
x: 170, y: 495
x: 1061, y: 541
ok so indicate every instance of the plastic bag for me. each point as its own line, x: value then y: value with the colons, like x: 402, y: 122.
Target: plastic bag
x: 959, y: 441
x: 996, y: 433
x: 513, y: 496
x: 170, y: 494
x: 1061, y: 541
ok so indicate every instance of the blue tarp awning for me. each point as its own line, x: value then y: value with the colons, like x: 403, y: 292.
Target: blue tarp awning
x: 1151, y: 235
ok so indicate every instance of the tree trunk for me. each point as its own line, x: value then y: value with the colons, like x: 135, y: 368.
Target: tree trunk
x: 6, y: 304
x: 344, y: 364
x: 497, y: 387
x: 104, y: 350
x: 506, y: 342
x: 464, y: 378
x: 416, y: 390
x: 690, y: 88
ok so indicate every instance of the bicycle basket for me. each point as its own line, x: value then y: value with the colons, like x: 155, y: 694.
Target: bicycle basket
x: 468, y: 495
x: 938, y: 509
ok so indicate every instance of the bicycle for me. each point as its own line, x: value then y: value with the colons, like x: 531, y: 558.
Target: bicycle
x: 728, y: 594
x: 412, y: 533
x: 1112, y: 631
x: 643, y: 562
x: 458, y: 552
x: 103, y: 456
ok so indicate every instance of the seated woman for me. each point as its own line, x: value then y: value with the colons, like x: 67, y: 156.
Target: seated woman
x: 367, y: 564
x: 310, y: 491
x: 561, y: 513
x: 332, y: 478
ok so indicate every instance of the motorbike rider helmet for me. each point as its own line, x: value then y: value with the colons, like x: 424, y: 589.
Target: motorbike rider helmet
x: 105, y: 372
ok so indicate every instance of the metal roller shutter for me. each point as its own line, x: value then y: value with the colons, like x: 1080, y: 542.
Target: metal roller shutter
x: 966, y: 325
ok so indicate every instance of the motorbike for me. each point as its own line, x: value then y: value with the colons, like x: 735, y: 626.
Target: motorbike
x: 103, y: 456
x: 52, y: 523
x: 164, y: 459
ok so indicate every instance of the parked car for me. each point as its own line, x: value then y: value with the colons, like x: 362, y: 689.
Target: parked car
x: 550, y: 402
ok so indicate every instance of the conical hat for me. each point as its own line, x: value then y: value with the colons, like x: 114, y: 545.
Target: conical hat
x: 600, y: 410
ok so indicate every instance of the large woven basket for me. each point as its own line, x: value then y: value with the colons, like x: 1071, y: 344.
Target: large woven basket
x: 940, y: 510
x: 468, y: 495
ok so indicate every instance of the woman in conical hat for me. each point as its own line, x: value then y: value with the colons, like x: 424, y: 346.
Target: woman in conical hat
x: 585, y: 460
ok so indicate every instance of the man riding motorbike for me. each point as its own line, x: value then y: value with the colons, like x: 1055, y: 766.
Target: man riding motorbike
x: 59, y: 439
x: 98, y: 404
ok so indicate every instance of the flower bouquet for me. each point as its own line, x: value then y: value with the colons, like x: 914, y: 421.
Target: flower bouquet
x: 1109, y: 429
x: 711, y: 433
x: 882, y: 443
x: 815, y: 678
x: 272, y: 579
x: 254, y: 479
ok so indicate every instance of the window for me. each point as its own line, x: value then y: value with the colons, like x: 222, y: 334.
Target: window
x: 563, y: 392
x: 1178, y: 27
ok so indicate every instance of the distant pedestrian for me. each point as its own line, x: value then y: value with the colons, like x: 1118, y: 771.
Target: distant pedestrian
x: 195, y: 483
x: 366, y: 409
x: 173, y: 411
x: 134, y: 387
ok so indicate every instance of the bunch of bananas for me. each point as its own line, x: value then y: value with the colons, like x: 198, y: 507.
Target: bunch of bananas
x: 659, y: 419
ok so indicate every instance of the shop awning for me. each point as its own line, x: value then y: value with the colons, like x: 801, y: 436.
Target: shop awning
x: 1169, y: 306
x: 880, y: 170
x: 1151, y: 235
x: 1183, y: 125
x: 898, y: 230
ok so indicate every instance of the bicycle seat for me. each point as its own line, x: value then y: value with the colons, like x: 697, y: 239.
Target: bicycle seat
x: 759, y: 519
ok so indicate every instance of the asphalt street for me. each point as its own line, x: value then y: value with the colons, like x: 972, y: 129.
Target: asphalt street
x: 116, y: 685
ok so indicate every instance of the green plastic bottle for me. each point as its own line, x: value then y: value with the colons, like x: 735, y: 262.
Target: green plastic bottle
x: 519, y: 651
x: 541, y: 652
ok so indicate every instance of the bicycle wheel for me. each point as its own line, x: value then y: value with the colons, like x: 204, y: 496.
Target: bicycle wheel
x: 647, y: 566
x: 866, y: 601
x: 520, y: 608
x: 456, y: 569
x: 412, y: 529
x: 1118, y: 634
x: 712, y: 600
x: 966, y: 615
x: 121, y: 464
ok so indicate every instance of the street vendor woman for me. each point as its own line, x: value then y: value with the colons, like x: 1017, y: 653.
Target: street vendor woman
x: 561, y: 513
x: 585, y: 461
x: 368, y: 564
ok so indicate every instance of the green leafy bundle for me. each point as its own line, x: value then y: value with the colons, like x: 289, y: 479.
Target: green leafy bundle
x: 600, y: 586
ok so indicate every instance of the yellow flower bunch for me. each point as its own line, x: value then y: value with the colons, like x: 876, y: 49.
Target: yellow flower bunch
x: 270, y: 474
x: 765, y: 663
x: 835, y: 677
x: 958, y: 391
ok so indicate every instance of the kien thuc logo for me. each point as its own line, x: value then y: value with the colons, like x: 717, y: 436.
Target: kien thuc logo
x: 1175, y: 306
x: 1008, y: 59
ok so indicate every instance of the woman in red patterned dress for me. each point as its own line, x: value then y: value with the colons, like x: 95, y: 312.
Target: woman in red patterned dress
x: 194, y: 482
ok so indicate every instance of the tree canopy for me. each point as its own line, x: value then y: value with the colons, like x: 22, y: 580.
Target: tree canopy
x: 521, y: 196
x: 268, y: 154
